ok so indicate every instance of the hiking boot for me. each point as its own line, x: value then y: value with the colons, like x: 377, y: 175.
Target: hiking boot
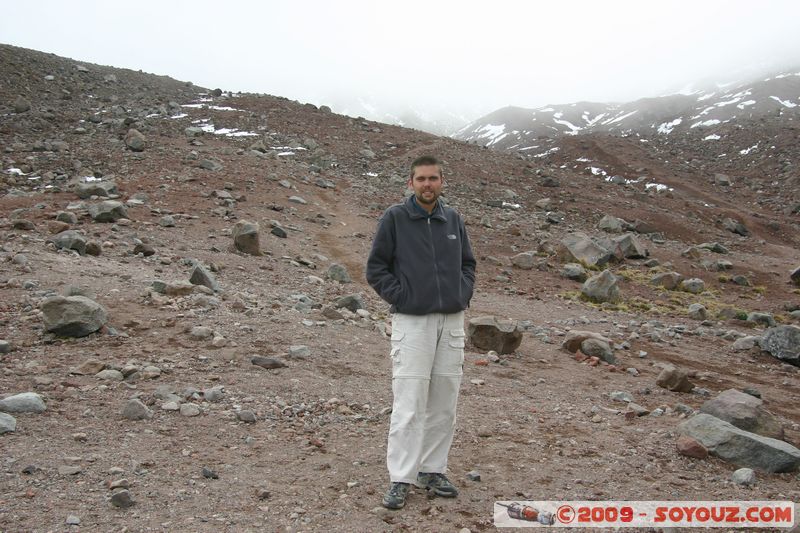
x: 395, y: 498
x: 438, y: 483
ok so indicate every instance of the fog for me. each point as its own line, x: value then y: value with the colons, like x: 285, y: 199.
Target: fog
x: 445, y: 60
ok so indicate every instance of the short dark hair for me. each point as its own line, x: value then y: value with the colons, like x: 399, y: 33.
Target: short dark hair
x: 425, y: 161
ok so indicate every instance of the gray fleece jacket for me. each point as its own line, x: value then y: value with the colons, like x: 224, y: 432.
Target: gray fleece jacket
x: 422, y: 263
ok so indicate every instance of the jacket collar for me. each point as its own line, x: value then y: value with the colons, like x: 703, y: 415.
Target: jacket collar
x: 416, y: 212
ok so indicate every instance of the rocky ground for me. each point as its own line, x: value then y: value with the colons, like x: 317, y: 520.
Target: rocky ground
x: 257, y: 397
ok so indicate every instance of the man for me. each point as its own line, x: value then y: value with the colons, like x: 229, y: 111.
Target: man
x: 421, y: 263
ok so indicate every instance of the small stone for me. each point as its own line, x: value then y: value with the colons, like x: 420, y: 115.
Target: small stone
x: 170, y: 406
x: 110, y: 374
x: 246, y: 416
x: 5, y: 346
x: 136, y: 410
x: 744, y: 477
x: 299, y: 352
x: 474, y: 475
x: 267, y: 362
x: 209, y: 474
x: 68, y: 470
x: 189, y: 409
x: 122, y: 499
x: 119, y: 484
x: 73, y: 520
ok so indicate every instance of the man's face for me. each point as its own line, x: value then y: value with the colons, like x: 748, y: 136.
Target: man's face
x: 427, y: 184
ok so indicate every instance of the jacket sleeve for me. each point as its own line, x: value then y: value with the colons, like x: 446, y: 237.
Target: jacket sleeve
x: 467, y: 259
x: 381, y: 257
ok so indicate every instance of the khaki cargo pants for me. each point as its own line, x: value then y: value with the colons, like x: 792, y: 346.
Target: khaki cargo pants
x: 427, y: 359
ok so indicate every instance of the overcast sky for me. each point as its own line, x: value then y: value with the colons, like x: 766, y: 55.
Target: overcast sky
x: 435, y: 56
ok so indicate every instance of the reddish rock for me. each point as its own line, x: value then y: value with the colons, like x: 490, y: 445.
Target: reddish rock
x: 691, y: 448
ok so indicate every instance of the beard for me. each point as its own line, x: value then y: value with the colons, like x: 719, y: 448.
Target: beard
x: 427, y: 201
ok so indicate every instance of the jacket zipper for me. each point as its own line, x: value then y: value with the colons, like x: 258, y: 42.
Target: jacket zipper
x: 435, y: 266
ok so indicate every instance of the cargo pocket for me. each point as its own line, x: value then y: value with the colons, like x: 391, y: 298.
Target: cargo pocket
x: 397, y: 337
x: 456, y: 343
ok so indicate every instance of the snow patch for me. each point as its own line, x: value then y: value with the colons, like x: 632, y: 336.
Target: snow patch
x: 712, y: 122
x: 712, y: 137
x: 748, y: 150
x: 573, y: 129
x: 785, y: 103
x: 666, y: 127
x: 746, y: 103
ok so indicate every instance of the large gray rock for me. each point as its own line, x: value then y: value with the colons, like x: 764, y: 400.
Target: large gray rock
x: 745, y: 412
x: 693, y: 285
x: 598, y: 348
x: 96, y: 188
x: 352, y: 302
x: 135, y: 140
x: 489, y: 333
x: 524, y: 260
x: 574, y: 271
x: 202, y: 276
x: 70, y: 240
x: 668, y: 280
x: 136, y: 410
x: 575, y: 338
x: 734, y: 226
x: 741, y: 447
x: 8, y: 423
x: 21, y: 105
x: 783, y: 342
x: 612, y: 224
x: 339, y: 273
x: 697, y: 311
x: 107, y: 211
x: 795, y: 276
x: 246, y: 237
x: 630, y: 247
x: 601, y: 288
x: 674, y: 379
x: 579, y: 248
x: 73, y: 316
x: 26, y: 402
x: 763, y: 319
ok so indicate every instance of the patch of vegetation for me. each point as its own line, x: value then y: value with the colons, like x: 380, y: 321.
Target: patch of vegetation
x: 759, y: 289
x: 722, y: 278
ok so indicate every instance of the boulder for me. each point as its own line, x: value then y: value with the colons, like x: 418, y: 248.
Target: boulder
x: 762, y: 319
x: 668, y: 280
x: 135, y: 140
x: 601, y: 288
x: 524, y: 260
x: 489, y: 333
x: 575, y: 338
x: 674, y: 379
x: 693, y: 285
x: 745, y: 412
x: 96, y: 188
x: 734, y: 226
x: 70, y: 240
x: 723, y: 180
x: 795, y: 276
x: 741, y: 447
x: 107, y: 211
x: 136, y: 410
x: 579, y: 248
x: 612, y: 224
x: 72, y: 316
x: 26, y: 402
x: 246, y: 237
x: 202, y: 276
x: 598, y: 348
x: 339, y: 273
x: 629, y: 246
x: 352, y: 302
x: 574, y: 271
x: 783, y: 342
x: 697, y: 311
x: 8, y: 424
x: 21, y: 105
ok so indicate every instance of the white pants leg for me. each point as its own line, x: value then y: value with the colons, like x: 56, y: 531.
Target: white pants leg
x: 427, y: 359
